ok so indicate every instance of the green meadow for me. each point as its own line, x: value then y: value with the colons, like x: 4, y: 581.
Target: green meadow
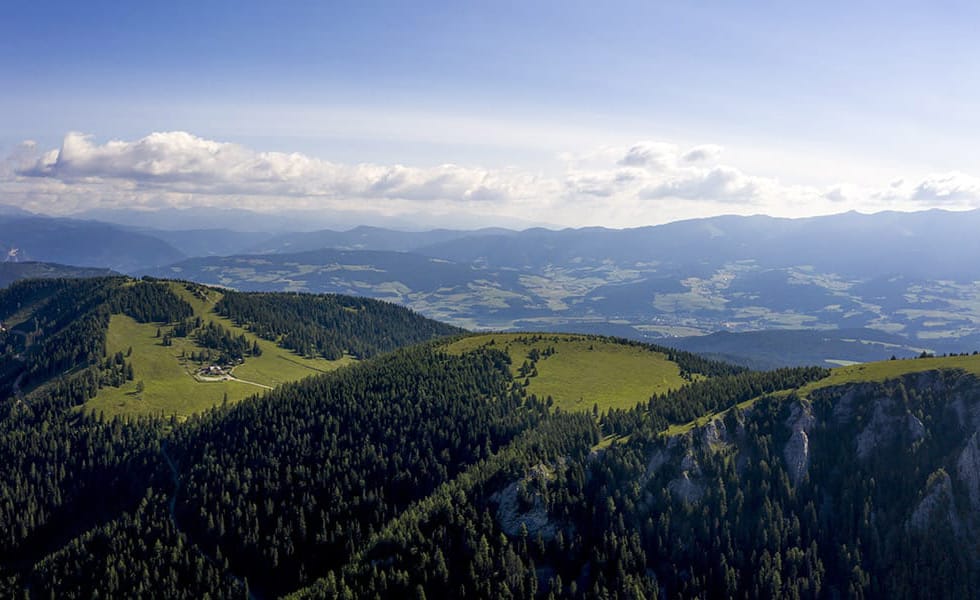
x: 890, y: 369
x: 169, y: 386
x: 583, y: 371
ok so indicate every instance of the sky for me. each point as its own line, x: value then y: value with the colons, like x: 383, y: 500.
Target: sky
x: 468, y: 114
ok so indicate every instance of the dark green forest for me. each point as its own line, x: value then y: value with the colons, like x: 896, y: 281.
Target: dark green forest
x: 419, y: 474
x: 329, y: 325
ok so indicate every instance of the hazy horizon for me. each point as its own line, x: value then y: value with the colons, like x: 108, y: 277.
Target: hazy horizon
x: 295, y: 220
x: 564, y: 114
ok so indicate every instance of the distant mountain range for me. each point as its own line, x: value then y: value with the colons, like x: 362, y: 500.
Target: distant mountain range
x: 913, y: 276
x: 15, y: 271
x: 81, y: 243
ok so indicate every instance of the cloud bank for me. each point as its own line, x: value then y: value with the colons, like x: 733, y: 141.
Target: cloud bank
x: 647, y: 182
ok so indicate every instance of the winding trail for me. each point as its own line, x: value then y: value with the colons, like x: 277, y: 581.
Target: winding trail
x: 172, y: 508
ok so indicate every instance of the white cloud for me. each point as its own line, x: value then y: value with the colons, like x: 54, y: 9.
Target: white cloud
x: 647, y: 182
x: 181, y: 162
x: 947, y: 189
x: 721, y: 184
x: 704, y: 152
x: 652, y: 155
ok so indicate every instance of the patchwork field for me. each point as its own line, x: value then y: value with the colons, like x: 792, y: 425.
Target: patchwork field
x: 580, y: 372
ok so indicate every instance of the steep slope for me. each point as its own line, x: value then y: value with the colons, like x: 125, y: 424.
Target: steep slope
x: 866, y: 488
x: 438, y: 471
x: 81, y: 506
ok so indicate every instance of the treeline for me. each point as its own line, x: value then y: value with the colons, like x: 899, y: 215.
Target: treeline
x: 315, y: 469
x: 149, y: 302
x: 230, y: 347
x: 458, y: 548
x: 291, y: 485
x: 64, y: 328
x: 330, y: 325
x: 703, y: 397
x: 711, y: 395
x: 451, y: 544
x: 420, y: 474
x: 67, y: 323
x: 116, y: 370
x: 615, y: 524
x: 847, y: 529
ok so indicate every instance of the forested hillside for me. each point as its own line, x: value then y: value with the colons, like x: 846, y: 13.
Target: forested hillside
x: 437, y: 470
x: 328, y: 324
x: 862, y: 490
x: 157, y: 347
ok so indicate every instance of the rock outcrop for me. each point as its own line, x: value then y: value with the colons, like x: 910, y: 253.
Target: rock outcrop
x: 889, y: 423
x: 937, y: 505
x: 797, y: 449
x: 521, y: 504
x: 968, y: 469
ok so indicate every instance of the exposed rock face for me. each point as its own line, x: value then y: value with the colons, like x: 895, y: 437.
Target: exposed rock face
x: 889, y: 423
x: 967, y: 409
x: 876, y: 432
x: 682, y: 450
x: 797, y: 449
x: 661, y: 456
x: 687, y: 486
x: 512, y: 511
x: 844, y: 408
x: 715, y: 434
x: 968, y: 469
x: 936, y: 505
x: 917, y: 430
x: 689, y: 464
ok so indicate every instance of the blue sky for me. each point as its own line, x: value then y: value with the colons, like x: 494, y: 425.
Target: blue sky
x: 808, y: 109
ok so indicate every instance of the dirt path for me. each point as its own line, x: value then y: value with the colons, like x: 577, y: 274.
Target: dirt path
x: 261, y: 385
x: 205, y: 379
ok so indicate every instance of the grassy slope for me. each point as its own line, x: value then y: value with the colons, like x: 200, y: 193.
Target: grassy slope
x: 890, y: 369
x: 609, y: 374
x: 860, y: 373
x: 170, y: 388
